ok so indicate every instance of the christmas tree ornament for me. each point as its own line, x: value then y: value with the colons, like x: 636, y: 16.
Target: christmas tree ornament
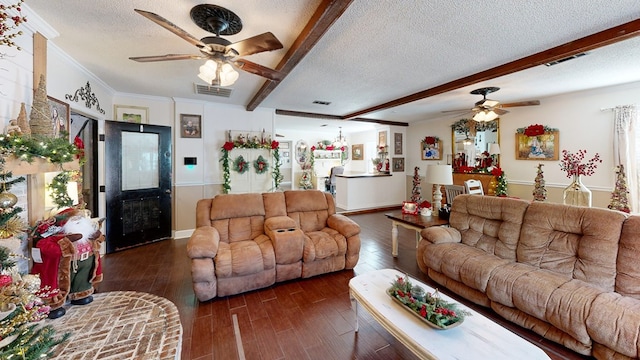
x: 7, y: 199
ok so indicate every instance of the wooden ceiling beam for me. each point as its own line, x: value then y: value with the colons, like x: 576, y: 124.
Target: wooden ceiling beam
x: 337, y: 117
x: 325, y: 15
x: 587, y: 43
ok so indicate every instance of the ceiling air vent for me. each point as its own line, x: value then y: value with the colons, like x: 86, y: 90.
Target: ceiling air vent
x: 213, y: 90
x: 565, y: 59
x: 320, y: 102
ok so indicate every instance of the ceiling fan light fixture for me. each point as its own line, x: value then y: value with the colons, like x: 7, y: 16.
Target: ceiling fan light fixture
x: 485, y: 115
x: 214, y: 73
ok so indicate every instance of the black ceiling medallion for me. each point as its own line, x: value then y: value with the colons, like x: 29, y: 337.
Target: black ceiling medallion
x: 85, y: 94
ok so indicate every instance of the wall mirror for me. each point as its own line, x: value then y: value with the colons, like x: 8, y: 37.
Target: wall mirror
x: 471, y: 138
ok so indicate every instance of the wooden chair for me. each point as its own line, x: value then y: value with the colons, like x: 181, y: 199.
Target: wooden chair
x: 452, y: 191
x: 473, y: 187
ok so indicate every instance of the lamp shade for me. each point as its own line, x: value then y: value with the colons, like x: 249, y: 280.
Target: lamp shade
x: 439, y: 174
x: 485, y: 115
x: 494, y: 149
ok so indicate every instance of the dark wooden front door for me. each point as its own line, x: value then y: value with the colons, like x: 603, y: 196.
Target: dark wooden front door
x: 138, y: 184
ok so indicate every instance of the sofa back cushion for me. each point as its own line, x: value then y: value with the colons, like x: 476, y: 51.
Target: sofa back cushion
x: 578, y: 242
x: 489, y: 223
x: 309, y: 208
x: 628, y: 274
x: 274, y: 204
x: 238, y: 217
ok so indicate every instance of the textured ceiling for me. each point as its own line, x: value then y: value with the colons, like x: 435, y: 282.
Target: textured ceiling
x: 375, y: 52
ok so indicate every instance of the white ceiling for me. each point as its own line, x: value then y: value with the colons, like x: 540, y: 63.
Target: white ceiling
x: 377, y: 51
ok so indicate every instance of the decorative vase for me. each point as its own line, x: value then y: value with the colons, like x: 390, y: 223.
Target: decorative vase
x: 576, y: 193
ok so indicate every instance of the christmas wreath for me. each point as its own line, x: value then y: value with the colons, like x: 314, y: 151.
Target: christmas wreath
x: 260, y: 165
x: 230, y: 145
x: 240, y: 165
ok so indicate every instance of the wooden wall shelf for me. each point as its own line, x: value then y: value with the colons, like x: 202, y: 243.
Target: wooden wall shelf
x: 37, y: 166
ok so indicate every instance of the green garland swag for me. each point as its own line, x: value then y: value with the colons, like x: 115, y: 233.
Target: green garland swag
x: 230, y: 145
x: 260, y: 165
x: 240, y: 165
x: 277, y: 176
x: 58, y: 189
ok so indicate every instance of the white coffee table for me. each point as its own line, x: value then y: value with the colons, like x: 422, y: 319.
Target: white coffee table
x: 476, y: 338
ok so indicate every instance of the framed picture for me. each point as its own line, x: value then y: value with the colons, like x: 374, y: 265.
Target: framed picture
x: 410, y: 208
x: 357, y: 152
x: 133, y: 114
x: 190, y: 126
x: 59, y: 116
x: 540, y: 147
x: 431, y: 151
x: 397, y: 141
x: 382, y: 138
x: 398, y: 164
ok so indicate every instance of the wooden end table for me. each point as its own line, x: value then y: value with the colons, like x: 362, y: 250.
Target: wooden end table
x: 411, y: 222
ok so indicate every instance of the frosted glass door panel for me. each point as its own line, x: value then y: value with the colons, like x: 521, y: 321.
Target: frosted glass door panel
x: 140, y: 163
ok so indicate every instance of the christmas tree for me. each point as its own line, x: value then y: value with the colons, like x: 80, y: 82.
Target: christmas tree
x: 501, y: 188
x: 23, y: 123
x: 620, y: 194
x: 539, y: 191
x: 40, y: 119
x: 416, y: 191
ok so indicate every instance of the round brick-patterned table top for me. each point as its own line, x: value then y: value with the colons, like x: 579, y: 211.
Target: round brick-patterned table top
x: 120, y: 325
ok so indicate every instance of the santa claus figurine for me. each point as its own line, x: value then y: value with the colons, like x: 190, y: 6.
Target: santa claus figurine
x: 66, y: 255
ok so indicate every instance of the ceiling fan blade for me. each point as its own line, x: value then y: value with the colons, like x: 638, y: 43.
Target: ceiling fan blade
x: 521, y: 103
x: 171, y: 27
x: 256, y: 44
x: 500, y: 111
x: 167, y: 57
x: 259, y: 70
x: 452, y: 111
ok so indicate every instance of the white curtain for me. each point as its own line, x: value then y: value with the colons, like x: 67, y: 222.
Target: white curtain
x: 625, y: 148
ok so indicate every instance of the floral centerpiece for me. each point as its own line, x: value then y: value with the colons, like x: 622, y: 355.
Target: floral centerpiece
x: 430, y: 307
x: 535, y: 130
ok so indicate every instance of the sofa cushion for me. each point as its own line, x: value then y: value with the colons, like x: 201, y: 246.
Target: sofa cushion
x: 309, y: 208
x: 500, y: 285
x: 323, y: 244
x: 576, y: 242
x: 239, y: 229
x: 628, y: 274
x: 614, y: 321
x: 241, y: 258
x: 489, y: 223
x: 225, y: 206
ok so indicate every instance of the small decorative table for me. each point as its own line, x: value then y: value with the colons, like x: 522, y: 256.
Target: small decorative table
x: 411, y: 222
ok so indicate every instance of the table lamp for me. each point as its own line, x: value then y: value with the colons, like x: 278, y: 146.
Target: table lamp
x: 439, y: 175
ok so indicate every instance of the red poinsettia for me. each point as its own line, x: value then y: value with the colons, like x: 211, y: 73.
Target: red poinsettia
x: 430, y: 140
x: 342, y: 148
x: 496, y: 171
x: 313, y: 148
x: 80, y: 145
x: 534, y: 130
x: 228, y: 146
x: 274, y: 144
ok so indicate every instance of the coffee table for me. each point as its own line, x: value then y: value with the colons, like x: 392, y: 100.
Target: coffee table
x: 476, y: 338
x: 411, y: 222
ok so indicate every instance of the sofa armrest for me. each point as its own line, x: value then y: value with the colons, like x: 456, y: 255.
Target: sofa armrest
x: 441, y: 234
x: 343, y: 225
x: 203, y: 243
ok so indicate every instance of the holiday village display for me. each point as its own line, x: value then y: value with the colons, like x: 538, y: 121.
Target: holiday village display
x: 429, y: 307
x: 240, y: 165
x: 620, y: 194
x: 572, y: 163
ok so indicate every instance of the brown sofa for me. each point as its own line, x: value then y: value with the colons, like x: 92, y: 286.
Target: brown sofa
x: 244, y: 242
x: 568, y: 273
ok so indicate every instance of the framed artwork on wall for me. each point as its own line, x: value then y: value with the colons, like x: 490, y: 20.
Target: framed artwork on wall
x: 59, y: 116
x: 398, y: 164
x: 382, y: 138
x: 397, y: 141
x: 190, y: 126
x: 431, y: 151
x: 539, y: 147
x: 357, y: 152
x: 133, y: 114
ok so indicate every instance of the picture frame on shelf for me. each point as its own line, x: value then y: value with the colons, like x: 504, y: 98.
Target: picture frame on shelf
x: 132, y: 114
x: 357, y: 152
x: 60, y: 116
x: 382, y: 138
x: 431, y: 151
x: 190, y: 126
x: 397, y: 141
x: 397, y: 164
x: 540, y: 147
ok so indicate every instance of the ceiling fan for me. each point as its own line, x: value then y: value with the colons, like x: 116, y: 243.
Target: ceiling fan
x: 487, y: 109
x: 222, y: 55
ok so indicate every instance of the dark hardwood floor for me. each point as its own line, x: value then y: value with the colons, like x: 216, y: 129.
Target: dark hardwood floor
x: 303, y: 319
